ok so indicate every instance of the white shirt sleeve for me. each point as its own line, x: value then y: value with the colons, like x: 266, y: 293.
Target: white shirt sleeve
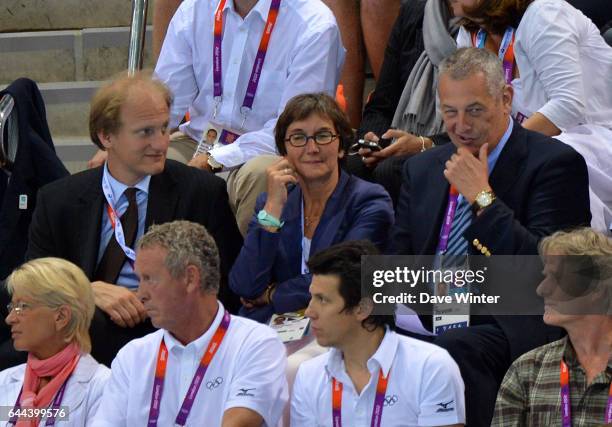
x: 464, y: 39
x: 175, y: 64
x: 259, y: 383
x: 551, y: 44
x: 302, y: 410
x: 442, y: 391
x: 315, y: 67
x: 112, y: 410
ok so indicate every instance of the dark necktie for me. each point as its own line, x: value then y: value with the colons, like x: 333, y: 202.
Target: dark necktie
x: 113, y: 259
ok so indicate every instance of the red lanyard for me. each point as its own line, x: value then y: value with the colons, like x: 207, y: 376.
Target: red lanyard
x: 249, y: 97
x: 506, y: 50
x: 381, y: 388
x: 566, y: 415
x: 160, y: 374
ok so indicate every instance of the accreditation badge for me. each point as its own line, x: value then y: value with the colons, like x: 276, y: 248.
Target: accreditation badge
x: 228, y: 137
x: 448, y: 311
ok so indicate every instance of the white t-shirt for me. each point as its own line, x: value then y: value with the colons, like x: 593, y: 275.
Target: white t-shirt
x: 82, y: 396
x: 425, y: 387
x: 248, y: 371
x: 305, y: 54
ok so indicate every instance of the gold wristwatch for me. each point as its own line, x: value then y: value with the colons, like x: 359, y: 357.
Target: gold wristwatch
x: 483, y: 200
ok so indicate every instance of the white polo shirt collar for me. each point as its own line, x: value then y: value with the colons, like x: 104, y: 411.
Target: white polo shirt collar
x: 198, y: 346
x: 382, y: 358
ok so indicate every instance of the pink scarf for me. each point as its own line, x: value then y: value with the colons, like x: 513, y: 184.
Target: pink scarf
x: 59, y: 367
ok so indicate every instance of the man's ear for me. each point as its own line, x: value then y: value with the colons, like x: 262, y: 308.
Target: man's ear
x: 193, y: 278
x: 105, y: 139
x: 364, y: 309
x: 507, y: 95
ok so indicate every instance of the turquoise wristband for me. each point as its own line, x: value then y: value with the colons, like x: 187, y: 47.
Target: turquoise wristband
x: 267, y: 220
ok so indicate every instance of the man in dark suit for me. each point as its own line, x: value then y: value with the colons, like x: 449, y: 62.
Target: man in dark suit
x: 94, y: 218
x: 513, y: 187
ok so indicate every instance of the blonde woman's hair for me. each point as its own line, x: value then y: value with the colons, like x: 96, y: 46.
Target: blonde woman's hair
x: 589, y: 253
x: 581, y: 241
x: 54, y: 282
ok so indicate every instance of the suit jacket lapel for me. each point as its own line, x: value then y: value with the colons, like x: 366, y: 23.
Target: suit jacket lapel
x: 88, y: 220
x: 163, y: 199
x: 436, y: 192
x: 509, y: 164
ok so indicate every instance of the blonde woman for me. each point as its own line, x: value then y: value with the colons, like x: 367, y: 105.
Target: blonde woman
x: 49, y: 315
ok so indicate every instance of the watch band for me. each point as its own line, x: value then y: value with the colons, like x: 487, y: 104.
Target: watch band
x: 267, y: 220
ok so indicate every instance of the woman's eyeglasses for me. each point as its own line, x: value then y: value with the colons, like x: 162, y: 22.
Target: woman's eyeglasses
x: 18, y: 307
x: 320, y: 138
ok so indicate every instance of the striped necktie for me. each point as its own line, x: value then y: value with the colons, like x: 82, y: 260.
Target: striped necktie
x: 457, y: 245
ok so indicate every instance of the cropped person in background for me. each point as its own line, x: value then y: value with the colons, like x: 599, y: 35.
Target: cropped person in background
x: 50, y: 311
x: 561, y: 71
x: 403, y: 107
x: 311, y: 203
x: 365, y: 27
x: 567, y: 382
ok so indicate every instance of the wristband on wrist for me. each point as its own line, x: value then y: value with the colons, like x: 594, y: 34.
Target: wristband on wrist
x: 267, y: 220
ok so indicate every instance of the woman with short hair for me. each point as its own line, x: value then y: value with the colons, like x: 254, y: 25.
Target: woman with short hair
x: 311, y: 204
x: 49, y: 315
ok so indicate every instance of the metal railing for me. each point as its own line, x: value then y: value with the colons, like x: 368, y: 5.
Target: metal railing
x: 137, y: 35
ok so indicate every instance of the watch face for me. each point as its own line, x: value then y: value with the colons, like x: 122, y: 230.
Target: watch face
x: 484, y: 199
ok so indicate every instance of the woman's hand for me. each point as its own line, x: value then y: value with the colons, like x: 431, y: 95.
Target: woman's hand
x: 279, y: 176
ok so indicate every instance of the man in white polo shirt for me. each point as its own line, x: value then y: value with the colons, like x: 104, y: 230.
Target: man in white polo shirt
x: 203, y: 367
x: 371, y: 376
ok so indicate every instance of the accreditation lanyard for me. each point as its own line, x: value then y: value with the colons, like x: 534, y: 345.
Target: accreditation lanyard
x: 566, y: 415
x: 449, y: 215
x: 249, y: 97
x: 381, y: 388
x: 160, y: 375
x: 506, y: 50
x: 54, y: 408
x: 113, y: 216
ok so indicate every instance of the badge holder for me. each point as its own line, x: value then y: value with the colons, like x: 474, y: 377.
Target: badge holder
x: 453, y: 314
x: 210, y: 137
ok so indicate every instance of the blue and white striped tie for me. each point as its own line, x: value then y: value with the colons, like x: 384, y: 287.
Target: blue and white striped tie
x: 457, y: 245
